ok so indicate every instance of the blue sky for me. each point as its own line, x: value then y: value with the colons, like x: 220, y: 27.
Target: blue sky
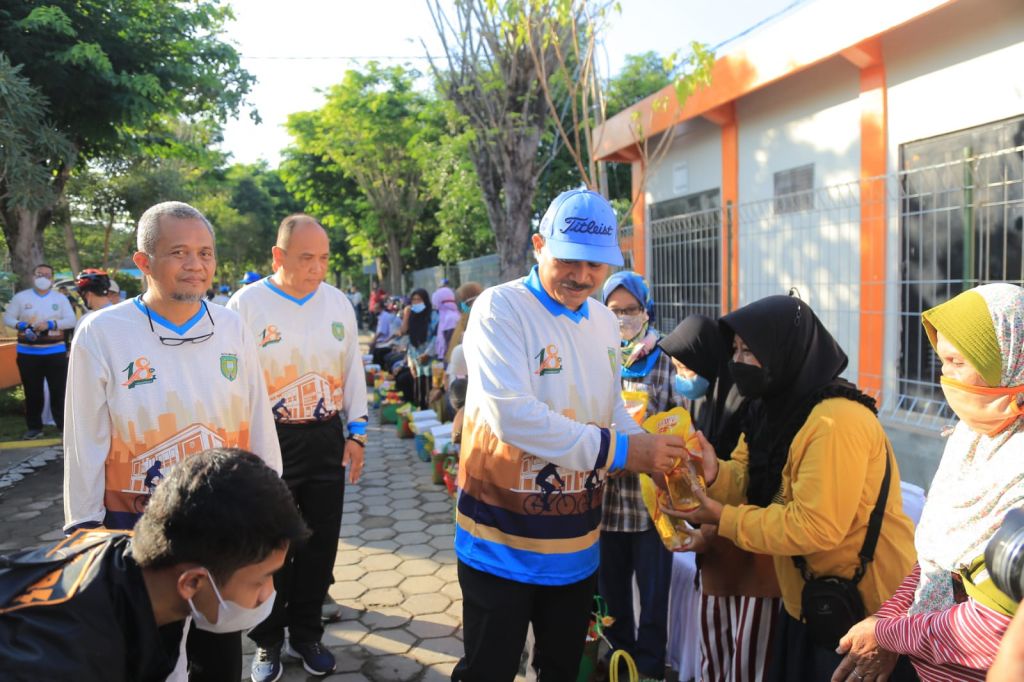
x: 296, y: 47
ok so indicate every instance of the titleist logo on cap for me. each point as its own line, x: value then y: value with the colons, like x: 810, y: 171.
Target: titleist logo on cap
x: 586, y: 226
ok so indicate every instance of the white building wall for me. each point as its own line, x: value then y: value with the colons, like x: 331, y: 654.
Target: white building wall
x: 957, y: 68
x: 697, y: 148
x: 812, y: 117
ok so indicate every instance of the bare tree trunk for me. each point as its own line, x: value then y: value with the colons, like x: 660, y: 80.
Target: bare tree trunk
x: 24, y: 240
x: 394, y: 262
x: 106, y: 240
x: 71, y: 244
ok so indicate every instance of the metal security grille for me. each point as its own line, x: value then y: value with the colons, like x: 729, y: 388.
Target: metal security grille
x: 812, y: 253
x: 960, y: 226
x: 685, y: 273
x: 627, y: 245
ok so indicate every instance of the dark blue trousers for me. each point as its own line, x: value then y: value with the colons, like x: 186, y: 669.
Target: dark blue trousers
x: 642, y: 554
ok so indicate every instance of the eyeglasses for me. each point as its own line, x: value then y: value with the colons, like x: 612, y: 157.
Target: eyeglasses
x: 627, y: 312
x: 179, y: 341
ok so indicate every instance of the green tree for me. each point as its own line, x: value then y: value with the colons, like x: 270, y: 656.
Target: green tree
x: 368, y: 128
x: 117, y: 76
x: 452, y: 184
x: 490, y: 76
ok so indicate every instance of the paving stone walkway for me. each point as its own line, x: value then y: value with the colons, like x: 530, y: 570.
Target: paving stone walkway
x: 395, y: 573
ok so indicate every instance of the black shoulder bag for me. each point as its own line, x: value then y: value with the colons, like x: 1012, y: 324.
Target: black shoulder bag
x: 831, y: 605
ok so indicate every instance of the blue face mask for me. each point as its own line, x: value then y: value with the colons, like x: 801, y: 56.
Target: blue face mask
x: 463, y: 306
x: 691, y: 388
x: 419, y: 307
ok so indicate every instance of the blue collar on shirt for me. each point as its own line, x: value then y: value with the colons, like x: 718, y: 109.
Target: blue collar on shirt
x: 299, y: 301
x: 179, y: 329
x: 532, y: 283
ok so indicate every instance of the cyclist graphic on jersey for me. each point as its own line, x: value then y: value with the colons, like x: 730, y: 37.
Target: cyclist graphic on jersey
x: 152, y: 474
x: 593, y: 480
x: 319, y: 412
x: 281, y: 411
x: 544, y: 484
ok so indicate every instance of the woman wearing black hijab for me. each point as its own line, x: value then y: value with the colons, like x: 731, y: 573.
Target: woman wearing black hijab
x: 419, y: 322
x: 806, y: 476
x: 739, y: 602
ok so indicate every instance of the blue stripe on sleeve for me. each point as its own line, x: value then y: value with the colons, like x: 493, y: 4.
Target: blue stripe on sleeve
x: 621, y: 448
x: 357, y: 428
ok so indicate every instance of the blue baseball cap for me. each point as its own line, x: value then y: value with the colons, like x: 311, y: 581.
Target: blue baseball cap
x: 251, y: 277
x: 581, y: 225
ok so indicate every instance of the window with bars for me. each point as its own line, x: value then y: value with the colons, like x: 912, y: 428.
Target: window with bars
x: 793, y: 189
x: 685, y: 264
x: 961, y: 217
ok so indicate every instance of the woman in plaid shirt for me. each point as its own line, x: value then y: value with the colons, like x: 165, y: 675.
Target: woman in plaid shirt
x: 629, y: 543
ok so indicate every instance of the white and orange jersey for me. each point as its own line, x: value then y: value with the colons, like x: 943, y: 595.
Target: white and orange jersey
x: 139, y: 400
x: 309, y: 351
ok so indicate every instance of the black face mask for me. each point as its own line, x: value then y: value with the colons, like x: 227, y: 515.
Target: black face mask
x: 751, y: 381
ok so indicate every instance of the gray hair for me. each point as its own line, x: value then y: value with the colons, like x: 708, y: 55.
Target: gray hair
x: 149, y: 223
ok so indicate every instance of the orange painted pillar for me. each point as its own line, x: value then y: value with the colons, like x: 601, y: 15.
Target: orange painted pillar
x: 873, y: 222
x: 730, y: 277
x: 639, y: 244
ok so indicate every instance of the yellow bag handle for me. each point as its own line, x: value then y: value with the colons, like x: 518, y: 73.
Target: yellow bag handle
x: 613, y: 666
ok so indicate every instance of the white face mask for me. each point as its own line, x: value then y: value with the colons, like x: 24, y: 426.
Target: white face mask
x: 230, y: 616
x: 630, y: 325
x: 42, y: 283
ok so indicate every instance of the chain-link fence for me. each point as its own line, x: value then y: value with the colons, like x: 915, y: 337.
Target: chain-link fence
x: 959, y: 224
x: 685, y: 272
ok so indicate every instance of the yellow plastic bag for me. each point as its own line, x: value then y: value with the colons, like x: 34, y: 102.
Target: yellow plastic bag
x: 678, y: 493
x: 636, y: 404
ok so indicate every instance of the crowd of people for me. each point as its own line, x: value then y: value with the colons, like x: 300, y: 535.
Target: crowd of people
x: 809, y: 567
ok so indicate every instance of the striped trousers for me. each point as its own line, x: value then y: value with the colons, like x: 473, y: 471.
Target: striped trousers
x: 736, y: 637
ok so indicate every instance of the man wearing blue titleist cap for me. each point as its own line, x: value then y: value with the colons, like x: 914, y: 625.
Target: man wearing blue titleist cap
x: 543, y: 390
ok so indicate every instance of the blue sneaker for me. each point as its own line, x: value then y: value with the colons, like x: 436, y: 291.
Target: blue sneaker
x: 316, y: 659
x: 266, y: 664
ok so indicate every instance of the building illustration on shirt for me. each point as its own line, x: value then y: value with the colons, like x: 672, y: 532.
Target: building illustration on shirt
x: 574, y: 480
x: 307, y: 398
x: 185, y: 443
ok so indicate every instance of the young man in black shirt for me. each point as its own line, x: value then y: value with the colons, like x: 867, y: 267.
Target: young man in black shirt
x: 110, y: 605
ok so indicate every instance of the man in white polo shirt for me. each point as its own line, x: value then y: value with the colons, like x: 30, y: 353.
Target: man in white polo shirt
x: 40, y: 315
x: 309, y: 351
x: 544, y: 391
x: 157, y: 379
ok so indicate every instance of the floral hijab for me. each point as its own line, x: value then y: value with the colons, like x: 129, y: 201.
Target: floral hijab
x: 980, y: 478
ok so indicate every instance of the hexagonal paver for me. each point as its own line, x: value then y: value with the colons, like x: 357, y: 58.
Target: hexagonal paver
x: 385, y: 596
x: 377, y: 579
x: 351, y: 572
x: 448, y: 572
x: 442, y: 542
x: 439, y: 672
x: 385, y: 617
x: 436, y: 650
x: 407, y: 514
x: 379, y: 547
x: 431, y: 507
x: 346, y: 590
x: 436, y: 625
x: 424, y: 584
x: 393, y: 641
x: 452, y: 590
x: 345, y: 633
x: 378, y: 508
x: 426, y: 604
x: 418, y: 567
x: 378, y: 562
x: 455, y: 610
x: 393, y: 669
x: 349, y: 659
x: 385, y: 521
x: 406, y: 504
x: 442, y: 529
x: 347, y: 556
x: 378, y: 534
x: 445, y: 556
x: 349, y: 530
x: 412, y: 538
x: 404, y: 494
x: 410, y: 525
x: 421, y: 551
